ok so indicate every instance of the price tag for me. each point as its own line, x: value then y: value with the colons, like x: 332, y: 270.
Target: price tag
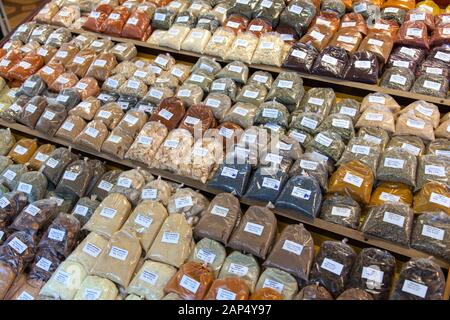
x: 341, y: 212
x: 118, y: 253
x: 232, y: 24
x: 149, y: 277
x: 293, y: 247
x: 240, y: 111
x: 433, y: 232
x: 267, y: 45
x: 225, y: 132
x: 229, y: 172
x: 298, y: 136
x: 332, y: 266
x: 374, y: 116
x: 269, y: 283
x: 254, y: 228
x: 25, y: 296
x: 323, y: 140
x: 295, y: 9
x: 170, y: 237
x: 92, y: 132
x: 432, y: 85
x: 108, y: 213
x: 340, y: 123
x: 375, y: 42
x: 394, y: 218
x: 57, y: 235
x: 435, y: 170
x: 362, y: 64
x: 359, y: 149
x: 172, y: 144
x: 165, y: 114
x: 49, y: 115
x: 17, y: 245
x: 271, y: 183
x: 415, y: 288
x: 32, y: 210
x: 151, y: 194
x: 236, y: 69
x: 114, y: 139
x: 442, y: 56
x: 394, y: 163
x: 62, y: 277
x: 124, y: 182
x: 70, y: 175
x: 191, y: 120
x: 352, y: 179
x: 143, y: 221
x: 274, y: 158
x: 144, y: 140
x: 270, y: 113
x: 256, y: 28
x: 91, y: 294
x: 10, y: 175
x: 183, y: 202
x: 24, y: 187
x: 79, y: 60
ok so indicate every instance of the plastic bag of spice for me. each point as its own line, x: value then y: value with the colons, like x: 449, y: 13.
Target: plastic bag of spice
x: 130, y: 183
x: 341, y: 210
x: 280, y: 281
x: 65, y: 54
x: 243, y: 266
x: 413, y: 33
x: 287, y: 89
x: 173, y: 243
x: 432, y: 168
x: 314, y: 292
x: 377, y: 116
x: 104, y: 185
x: 11, y: 175
x: 397, y: 78
x: 109, y: 114
x: 5, y: 161
x: 23, y: 150
x: 231, y: 177
x: 150, y: 280
x: 390, y: 221
x: 397, y: 165
x: 101, y: 67
x: 293, y: 252
x: 147, y: 142
x: 88, y: 251
x: 331, y: 62
x: 443, y: 130
x: 353, y: 179
x: 333, y: 265
x: 310, y: 164
x: 231, y: 288
x: 434, y: 196
x: 431, y: 85
x: 51, y: 119
x: 270, y: 50
x: 96, y: 288
x: 7, y: 141
x: 63, y: 81
x: 267, y: 182
x: 119, y: 259
x: 299, y: 15
x: 56, y: 164
x: 33, y: 86
x: 93, y: 135
x: 11, y: 204
x: 209, y: 253
x: 439, y: 147
x: 86, y: 109
x: 32, y: 111
x: 354, y: 294
x: 224, y: 86
x: 157, y: 190
x: 366, y: 152
x: 35, y: 216
x: 379, y: 43
x: 431, y: 234
x: 76, y: 178
x: 329, y: 143
x: 317, y: 36
x: 117, y: 143
x: 33, y: 184
x: 363, y: 66
x: 412, y: 144
x: 81, y: 62
x: 255, y: 233
x: 84, y: 209
x: 71, y: 128
x: 301, y: 57
x: 376, y: 135
x: 420, y: 279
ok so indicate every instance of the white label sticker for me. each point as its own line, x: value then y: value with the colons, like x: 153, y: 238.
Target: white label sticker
x: 293, y: 247
x: 329, y: 59
x: 10, y: 175
x: 271, y: 183
x: 250, y: 94
x: 223, y: 294
x: 269, y: 283
x: 285, y: 84
x: 295, y: 9
x: 340, y: 123
x: 24, y: 187
x: 433, y: 232
x: 81, y: 210
x: 375, y: 42
x: 151, y: 194
x: 341, y: 212
x: 308, y: 165
x: 388, y: 197
x: 105, y: 185
x: 70, y: 175
x: 219, y: 211
x: 191, y: 120
x: 92, y: 250
x: 165, y: 114
x: 170, y: 237
x: 149, y: 277
x: 317, y: 35
x: 360, y: 149
x: 394, y: 163
x: 31, y: 108
x: 143, y: 221
x: 301, y: 193
x: 432, y: 85
x: 68, y: 126
x: 4, y: 203
x: 183, y: 202
x: 17, y: 245
x: 396, y: 78
x: 332, y: 266
x: 229, y: 172
x: 118, y: 253
x: 254, y: 228
x: 240, y: 111
x: 32, y: 210
x: 92, y: 132
x: 57, y: 235
x: 440, y: 199
x: 415, y: 288
x: 225, y: 132
x: 323, y: 140
x: 410, y: 148
x: 49, y: 115
x: 108, y: 212
x: 207, y: 256
x: 189, y: 284
x: 362, y: 64
x: 124, y: 182
x: 91, y: 294
x: 25, y: 296
x: 442, y: 56
x: 238, y: 269
x: 62, y: 277
x: 435, y: 170
x: 394, y: 218
x: 352, y: 179
x: 372, y: 274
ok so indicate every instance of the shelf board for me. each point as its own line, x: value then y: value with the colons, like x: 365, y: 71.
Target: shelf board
x: 320, y: 224
x: 344, y: 85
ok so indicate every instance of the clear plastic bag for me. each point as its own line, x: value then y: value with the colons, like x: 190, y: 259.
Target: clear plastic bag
x: 379, y: 43
x: 7, y: 141
x: 314, y: 292
x: 71, y: 128
x: 431, y: 85
x: 200, y: 78
x: 147, y: 143
x: 66, y: 16
x: 377, y: 116
x: 412, y: 144
x: 309, y: 164
x: 150, y: 280
x: 76, y: 178
x: 420, y: 279
x: 243, y: 266
x: 96, y: 288
x: 397, y: 78
x: 12, y: 203
x: 340, y: 124
x: 65, y: 54
x: 210, y: 253
x: 84, y: 209
x: 224, y: 86
x: 242, y: 114
x: 341, y: 210
x: 137, y: 25
x: 231, y: 177
x: 439, y: 147
x: 187, y: 202
x: 46, y: 14
x: 376, y: 135
x: 287, y: 89
x: 33, y: 184
x: 110, y: 115
x: 432, y: 168
x: 130, y: 183
x: 332, y: 266
x: 198, y: 119
x: 23, y: 150
x: 278, y: 280
x: 299, y: 14
x: 88, y: 251
x: 163, y: 18
x: 173, y: 243
x: 256, y: 232
x: 434, y: 196
x: 93, y: 135
x: 270, y: 50
x: 363, y: 151
x: 196, y: 40
x: 101, y: 67
x: 243, y: 47
x: 81, y: 62
x: 301, y: 57
x: 272, y: 112
x: 44, y: 211
x: 56, y: 163
x: 65, y: 80
x: 409, y: 124
x: 397, y: 165
x: 413, y: 33
x: 430, y: 234
x: 220, y: 42
x: 266, y: 183
x: 190, y: 94
x: 363, y: 66
x: 331, y: 62
x: 329, y: 143
x: 443, y: 130
x: 58, y: 37
x: 33, y: 86
x: 104, y: 185
x: 51, y: 119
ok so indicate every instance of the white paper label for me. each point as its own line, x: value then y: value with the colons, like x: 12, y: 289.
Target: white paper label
x: 269, y: 283
x: 372, y: 274
x: 362, y: 64
x: 375, y: 42
x: 207, y: 256
x: 223, y: 294
x: 317, y: 35
x: 105, y: 185
x: 108, y: 212
x: 219, y: 211
x: 301, y: 193
x: 394, y: 218
x: 323, y: 140
x: 165, y: 114
x: 415, y: 288
x: 17, y: 245
x: 4, y: 203
x: 332, y: 266
x: 81, y: 210
x: 433, y: 232
x: 92, y: 132
x: 435, y: 170
x: 32, y: 210
x: 69, y: 175
x: 432, y: 85
x: 62, y: 277
x: 410, y: 148
x: 354, y: 180
x: 254, y: 228
x: 189, y: 284
x: 92, y: 250
x: 359, y: 149
x: 183, y: 202
x: 10, y: 175
x: 298, y: 136
x: 149, y: 194
x: 394, y: 163
x: 235, y: 69
x: 274, y: 158
x: 55, y: 234
x: 124, y: 182
x: 296, y: 9
x: 285, y: 84
x: 241, y: 111
x: 225, y: 132
x: 341, y: 212
x: 293, y: 247
x: 191, y: 120
x: 271, y: 183
x: 442, y: 56
x: 440, y: 199
x: 340, y: 123
x: 118, y: 253
x: 143, y: 221
x: 24, y: 187
x: 25, y: 296
x: 388, y: 197
x: 238, y: 269
x: 170, y: 237
x: 329, y: 59
x: 229, y: 172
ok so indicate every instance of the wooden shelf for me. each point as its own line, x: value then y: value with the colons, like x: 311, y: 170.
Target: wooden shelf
x: 322, y: 225
x: 344, y: 86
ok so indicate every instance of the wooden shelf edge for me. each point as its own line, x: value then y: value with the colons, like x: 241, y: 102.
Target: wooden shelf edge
x: 337, y: 82
x: 317, y: 223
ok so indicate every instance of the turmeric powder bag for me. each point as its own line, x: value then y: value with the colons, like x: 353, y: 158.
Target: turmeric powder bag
x: 191, y: 282
x: 353, y: 179
x: 434, y: 196
x: 266, y: 294
x: 109, y: 215
x: 150, y: 280
x: 23, y: 150
x: 145, y: 221
x: 173, y: 243
x: 391, y: 192
x: 119, y: 259
x: 231, y: 288
x: 40, y: 156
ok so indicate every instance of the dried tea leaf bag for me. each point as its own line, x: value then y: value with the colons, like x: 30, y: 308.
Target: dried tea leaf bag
x: 310, y: 164
x: 397, y: 78
x: 293, y: 252
x: 377, y: 116
x: 431, y: 85
x: 33, y: 184
x: 420, y: 279
x: 224, y: 86
x: 35, y: 216
x: 150, y: 280
x: 119, y: 259
x: 163, y: 18
x: 340, y: 124
x: 329, y: 143
x: 318, y: 100
x: 11, y: 204
x: 287, y: 89
x: 432, y: 168
x: 301, y: 194
x: 11, y: 175
x: 364, y: 151
x: 439, y: 146
x: 255, y: 233
x: 390, y: 221
x: 84, y: 209
x: 56, y: 163
x: 373, y: 272
x: 341, y: 210
x: 331, y: 62
x: 241, y: 114
x: 243, y: 266
x: 397, y: 165
x: 376, y: 135
x: 65, y: 282
x: 431, y: 234
x: 109, y: 215
x: 332, y: 266
x: 173, y: 242
x: 354, y: 179
x: 362, y: 67
x: 412, y: 144
x: 75, y: 179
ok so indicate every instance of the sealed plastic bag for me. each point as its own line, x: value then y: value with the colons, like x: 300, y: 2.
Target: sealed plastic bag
x: 71, y: 128
x: 243, y: 266
x: 397, y: 165
x: 363, y: 66
x: 333, y: 265
x: 341, y: 210
x: 314, y: 292
x: 11, y: 175
x: 119, y: 259
x: 88, y: 251
x: 280, y: 281
x: 23, y: 150
x: 379, y: 43
x: 301, y: 57
x: 364, y: 151
x: 173, y: 243
x: 96, y: 288
x: 105, y: 184
x: 11, y: 204
x: 329, y: 143
x: 420, y: 279
x: 93, y: 135
x: 56, y: 164
x: 377, y: 116
x: 33, y: 184
x: 270, y: 50
x: 84, y: 209
x: 434, y: 196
